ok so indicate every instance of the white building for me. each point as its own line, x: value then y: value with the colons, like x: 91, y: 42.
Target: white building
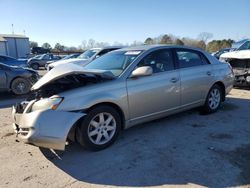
x: 14, y: 45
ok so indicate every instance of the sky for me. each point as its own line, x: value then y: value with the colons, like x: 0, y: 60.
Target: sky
x: 71, y: 22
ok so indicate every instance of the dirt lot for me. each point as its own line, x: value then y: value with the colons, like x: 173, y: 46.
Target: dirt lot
x: 184, y: 149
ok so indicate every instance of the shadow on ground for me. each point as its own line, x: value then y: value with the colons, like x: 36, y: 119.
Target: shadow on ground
x: 8, y: 99
x: 181, y: 149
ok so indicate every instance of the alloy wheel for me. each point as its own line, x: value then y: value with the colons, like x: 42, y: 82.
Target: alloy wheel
x: 214, y: 98
x: 101, y: 128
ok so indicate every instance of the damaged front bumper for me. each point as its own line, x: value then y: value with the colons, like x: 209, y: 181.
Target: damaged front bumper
x: 43, y: 128
x: 242, y: 80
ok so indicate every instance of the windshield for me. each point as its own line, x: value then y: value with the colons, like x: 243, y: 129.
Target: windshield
x: 238, y: 44
x: 116, y: 61
x: 70, y: 56
x: 37, y: 56
x: 88, y: 54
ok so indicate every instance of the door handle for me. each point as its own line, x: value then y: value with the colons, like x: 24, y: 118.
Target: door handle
x: 174, y: 80
x: 209, y: 73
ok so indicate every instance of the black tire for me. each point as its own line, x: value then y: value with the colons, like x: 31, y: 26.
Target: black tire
x: 208, y: 108
x: 35, y: 66
x: 20, y: 86
x: 82, y: 131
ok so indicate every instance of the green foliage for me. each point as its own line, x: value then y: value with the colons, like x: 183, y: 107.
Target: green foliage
x: 179, y: 42
x: 149, y: 41
x: 59, y: 47
x: 166, y: 39
x: 216, y: 45
x: 33, y: 44
x: 46, y: 45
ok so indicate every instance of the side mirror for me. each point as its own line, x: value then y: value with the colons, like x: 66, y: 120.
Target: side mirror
x: 142, y: 71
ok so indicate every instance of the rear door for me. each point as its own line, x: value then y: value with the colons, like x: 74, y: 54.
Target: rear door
x: 196, y: 76
x: 157, y: 93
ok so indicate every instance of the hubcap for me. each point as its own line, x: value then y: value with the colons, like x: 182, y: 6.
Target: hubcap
x: 101, y: 128
x: 214, y: 98
x: 21, y: 87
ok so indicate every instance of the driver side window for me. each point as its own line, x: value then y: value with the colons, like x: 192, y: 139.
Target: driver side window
x: 159, y: 61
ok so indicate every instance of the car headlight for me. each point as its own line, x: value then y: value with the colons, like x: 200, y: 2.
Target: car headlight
x: 47, y: 103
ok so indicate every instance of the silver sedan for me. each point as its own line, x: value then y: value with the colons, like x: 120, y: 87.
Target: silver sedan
x: 91, y: 105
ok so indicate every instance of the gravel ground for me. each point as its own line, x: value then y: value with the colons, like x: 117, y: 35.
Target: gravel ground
x: 185, y: 149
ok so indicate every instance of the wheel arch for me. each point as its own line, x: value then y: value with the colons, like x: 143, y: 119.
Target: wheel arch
x: 113, y: 105
x: 34, y: 63
x: 72, y: 131
x: 222, y: 86
x: 11, y: 81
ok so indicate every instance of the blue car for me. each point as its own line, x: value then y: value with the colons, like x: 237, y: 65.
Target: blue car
x: 12, y: 61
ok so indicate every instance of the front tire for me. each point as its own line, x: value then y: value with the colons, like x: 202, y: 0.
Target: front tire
x: 20, y: 86
x: 99, y: 129
x: 213, y: 100
x: 35, y: 66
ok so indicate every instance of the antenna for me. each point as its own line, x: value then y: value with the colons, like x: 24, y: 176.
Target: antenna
x: 24, y: 32
x: 12, y: 25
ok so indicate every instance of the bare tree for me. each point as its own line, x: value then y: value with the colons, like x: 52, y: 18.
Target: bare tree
x: 84, y: 45
x: 91, y: 43
x: 205, y: 36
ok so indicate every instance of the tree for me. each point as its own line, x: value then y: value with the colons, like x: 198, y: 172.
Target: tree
x: 194, y: 43
x: 179, y: 42
x: 149, y: 41
x: 59, y: 47
x: 33, y: 44
x: 84, y: 45
x: 216, y: 45
x: 71, y: 49
x: 166, y: 39
x: 46, y: 46
x: 116, y: 43
x: 204, y: 36
x: 91, y: 43
x: 201, y: 44
x: 136, y: 43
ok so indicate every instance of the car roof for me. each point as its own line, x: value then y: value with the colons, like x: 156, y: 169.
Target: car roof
x: 108, y: 47
x: 157, y: 46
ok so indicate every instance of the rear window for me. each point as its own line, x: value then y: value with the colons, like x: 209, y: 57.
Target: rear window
x: 188, y: 58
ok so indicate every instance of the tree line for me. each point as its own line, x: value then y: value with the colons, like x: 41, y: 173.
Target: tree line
x: 200, y: 42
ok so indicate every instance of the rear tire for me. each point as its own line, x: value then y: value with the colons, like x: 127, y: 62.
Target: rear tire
x: 20, y: 86
x: 99, y: 129
x: 213, y: 100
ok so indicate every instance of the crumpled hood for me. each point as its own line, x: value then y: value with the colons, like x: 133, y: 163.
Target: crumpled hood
x: 69, y: 69
x: 66, y: 61
x: 241, y: 54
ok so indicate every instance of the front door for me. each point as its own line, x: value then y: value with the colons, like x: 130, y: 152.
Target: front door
x: 158, y: 93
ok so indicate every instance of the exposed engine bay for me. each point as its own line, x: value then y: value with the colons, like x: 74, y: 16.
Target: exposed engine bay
x: 66, y: 83
x: 241, y: 69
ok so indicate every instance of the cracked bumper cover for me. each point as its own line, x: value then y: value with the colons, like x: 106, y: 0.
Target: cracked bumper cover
x: 48, y: 129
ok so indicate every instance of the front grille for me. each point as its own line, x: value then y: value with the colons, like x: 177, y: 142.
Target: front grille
x: 24, y: 131
x: 21, y: 107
